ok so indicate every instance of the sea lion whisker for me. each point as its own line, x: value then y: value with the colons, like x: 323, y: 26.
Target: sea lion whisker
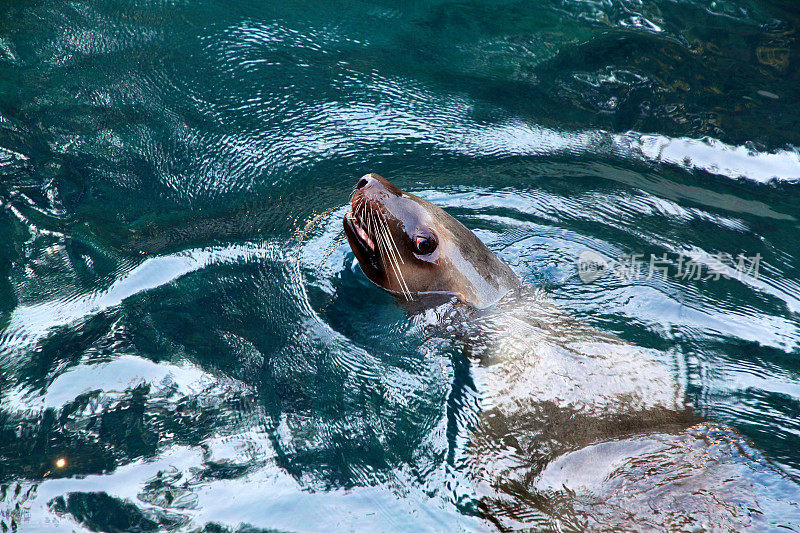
x: 394, y: 245
x: 387, y: 252
x: 370, y: 221
x: 380, y: 238
x: 360, y: 209
x: 373, y: 225
x: 382, y: 229
x: 395, y: 255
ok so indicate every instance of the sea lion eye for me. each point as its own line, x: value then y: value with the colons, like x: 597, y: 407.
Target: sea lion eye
x: 425, y: 244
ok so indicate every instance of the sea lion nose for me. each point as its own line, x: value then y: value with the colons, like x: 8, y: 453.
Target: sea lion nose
x: 374, y: 184
x: 364, y: 181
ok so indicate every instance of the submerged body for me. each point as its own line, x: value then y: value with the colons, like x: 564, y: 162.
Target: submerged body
x: 579, y: 430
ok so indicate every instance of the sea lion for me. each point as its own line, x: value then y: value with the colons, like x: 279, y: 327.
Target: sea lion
x: 579, y: 429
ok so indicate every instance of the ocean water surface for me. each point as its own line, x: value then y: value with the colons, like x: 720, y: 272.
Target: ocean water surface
x: 186, y: 340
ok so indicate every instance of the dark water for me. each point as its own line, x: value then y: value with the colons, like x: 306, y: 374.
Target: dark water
x: 182, y: 323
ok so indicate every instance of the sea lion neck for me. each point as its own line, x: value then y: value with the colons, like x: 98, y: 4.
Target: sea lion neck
x: 418, y: 252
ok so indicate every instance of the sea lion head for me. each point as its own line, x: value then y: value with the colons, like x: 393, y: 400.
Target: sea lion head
x: 416, y: 251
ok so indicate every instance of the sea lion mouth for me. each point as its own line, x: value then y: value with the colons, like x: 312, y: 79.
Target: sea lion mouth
x: 358, y: 231
x: 361, y: 233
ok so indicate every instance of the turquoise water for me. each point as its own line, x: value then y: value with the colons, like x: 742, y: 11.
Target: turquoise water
x: 183, y: 324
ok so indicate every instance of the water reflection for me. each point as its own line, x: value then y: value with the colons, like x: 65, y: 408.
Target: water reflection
x: 182, y: 324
